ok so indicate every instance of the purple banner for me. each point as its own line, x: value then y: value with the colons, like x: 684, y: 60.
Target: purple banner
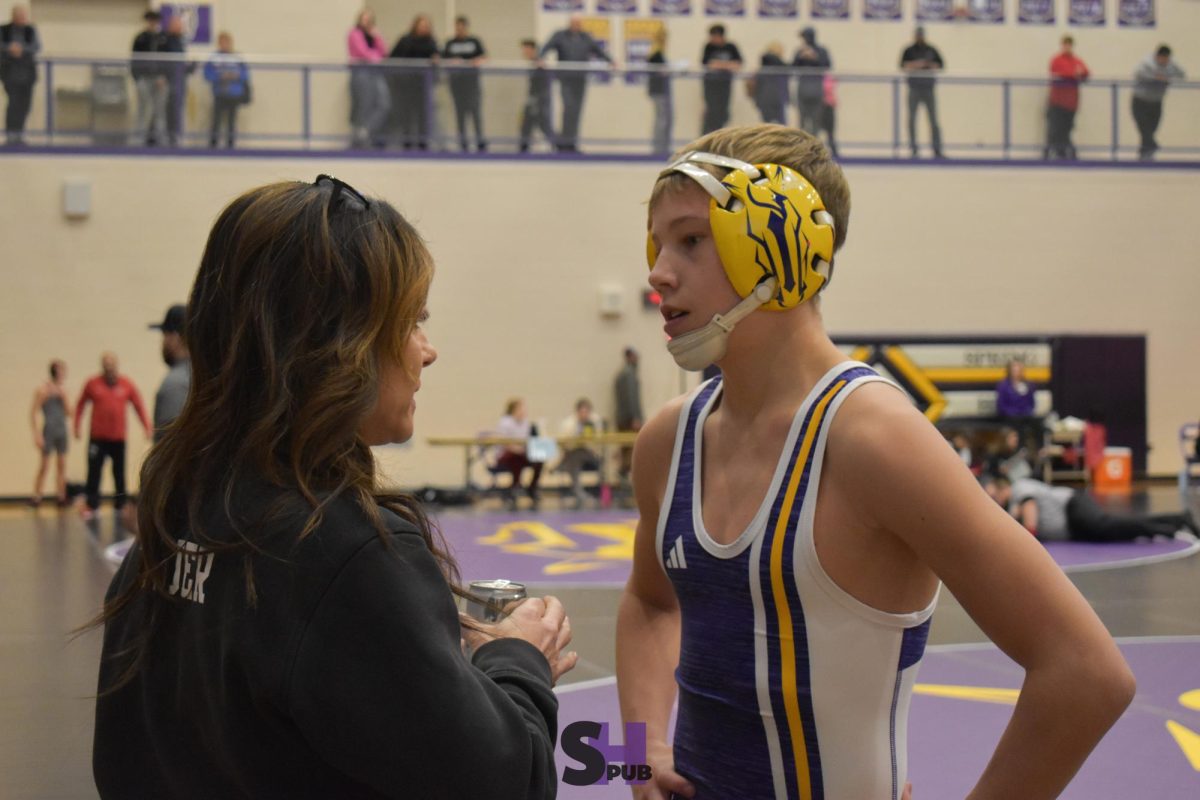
x: 616, y: 6
x: 778, y: 9
x: 831, y: 9
x: 669, y: 8
x: 562, y: 5
x: 991, y: 11
x: 1035, y: 12
x: 1136, y: 13
x: 725, y: 8
x: 935, y: 10
x: 886, y: 10
x: 197, y: 20
x: 1086, y: 12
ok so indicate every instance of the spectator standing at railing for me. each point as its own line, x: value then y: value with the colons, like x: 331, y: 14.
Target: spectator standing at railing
x: 177, y: 71
x: 412, y: 84
x: 370, y: 100
x: 721, y: 58
x: 922, y: 61
x: 658, y: 86
x: 829, y: 111
x: 231, y: 88
x: 151, y: 81
x: 536, y: 113
x: 19, y: 45
x: 1153, y: 75
x: 813, y: 60
x: 573, y: 45
x: 466, y: 53
x: 1067, y: 71
x: 769, y: 87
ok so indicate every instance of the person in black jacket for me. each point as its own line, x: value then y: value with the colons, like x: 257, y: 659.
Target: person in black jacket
x: 466, y: 53
x: 283, y: 626
x: 176, y: 72
x: 19, y: 44
x: 412, y: 84
x: 151, y: 81
x: 721, y: 58
x: 922, y: 62
x: 771, y: 86
x: 813, y: 60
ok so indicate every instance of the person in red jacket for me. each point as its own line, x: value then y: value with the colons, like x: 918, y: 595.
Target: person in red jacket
x: 1067, y: 71
x: 108, y: 393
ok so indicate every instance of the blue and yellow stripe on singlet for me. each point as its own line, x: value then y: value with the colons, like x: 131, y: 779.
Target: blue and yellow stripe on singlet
x: 804, y: 778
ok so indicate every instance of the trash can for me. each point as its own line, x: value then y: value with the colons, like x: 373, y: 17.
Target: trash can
x: 110, y: 105
x: 1114, y: 473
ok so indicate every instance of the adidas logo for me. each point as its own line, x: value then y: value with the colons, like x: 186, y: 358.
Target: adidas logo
x: 675, y: 559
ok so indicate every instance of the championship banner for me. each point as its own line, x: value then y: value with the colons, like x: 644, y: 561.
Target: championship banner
x: 831, y: 9
x: 935, y: 10
x: 639, y: 42
x: 883, y: 10
x: 616, y: 6
x: 670, y: 8
x: 988, y: 11
x: 600, y: 29
x: 778, y: 9
x: 1035, y: 12
x: 1135, y: 13
x: 197, y: 20
x: 725, y: 8
x: 1086, y: 12
x: 562, y: 5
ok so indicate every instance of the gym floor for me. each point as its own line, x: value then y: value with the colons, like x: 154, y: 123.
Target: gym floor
x: 54, y: 572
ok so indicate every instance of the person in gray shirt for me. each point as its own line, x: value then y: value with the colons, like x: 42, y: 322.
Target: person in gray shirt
x: 173, y: 391
x: 1059, y: 513
x: 573, y: 45
x: 1152, y: 76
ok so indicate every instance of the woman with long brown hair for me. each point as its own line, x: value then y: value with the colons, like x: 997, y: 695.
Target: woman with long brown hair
x: 283, y: 627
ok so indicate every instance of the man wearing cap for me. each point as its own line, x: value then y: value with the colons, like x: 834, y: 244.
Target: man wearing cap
x: 813, y: 60
x: 173, y: 391
x: 921, y: 61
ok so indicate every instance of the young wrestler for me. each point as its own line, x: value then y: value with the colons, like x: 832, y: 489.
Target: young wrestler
x: 797, y: 515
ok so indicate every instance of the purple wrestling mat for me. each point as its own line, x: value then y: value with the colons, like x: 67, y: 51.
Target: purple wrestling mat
x: 596, y: 547
x: 963, y: 700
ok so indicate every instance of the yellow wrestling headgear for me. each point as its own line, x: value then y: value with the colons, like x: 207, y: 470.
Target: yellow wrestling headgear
x: 766, y: 220
x: 773, y: 235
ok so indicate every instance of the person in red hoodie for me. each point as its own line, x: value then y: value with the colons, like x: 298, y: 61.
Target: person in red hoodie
x: 1067, y: 71
x: 108, y: 393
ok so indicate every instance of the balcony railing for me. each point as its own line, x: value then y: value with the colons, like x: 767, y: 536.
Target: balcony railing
x: 84, y: 103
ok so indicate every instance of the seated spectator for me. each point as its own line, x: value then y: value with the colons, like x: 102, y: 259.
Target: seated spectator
x: 1014, y: 396
x: 584, y: 422
x: 231, y: 88
x: 962, y: 445
x: 1059, y: 513
x: 513, y: 458
x: 1011, y: 460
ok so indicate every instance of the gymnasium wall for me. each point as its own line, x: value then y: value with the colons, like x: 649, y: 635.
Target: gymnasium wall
x: 522, y: 265
x: 970, y: 115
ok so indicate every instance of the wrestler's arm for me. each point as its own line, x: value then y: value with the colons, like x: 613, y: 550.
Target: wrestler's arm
x: 648, y: 616
x: 1076, y: 682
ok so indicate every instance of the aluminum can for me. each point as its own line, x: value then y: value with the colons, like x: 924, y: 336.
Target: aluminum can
x: 490, y: 598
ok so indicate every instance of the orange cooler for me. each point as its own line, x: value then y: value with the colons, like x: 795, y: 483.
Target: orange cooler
x: 1115, y: 470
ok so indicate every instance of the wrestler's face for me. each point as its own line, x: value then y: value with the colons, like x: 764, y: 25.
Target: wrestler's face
x: 687, y: 271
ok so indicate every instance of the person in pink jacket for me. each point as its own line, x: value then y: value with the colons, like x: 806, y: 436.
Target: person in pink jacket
x: 369, y: 99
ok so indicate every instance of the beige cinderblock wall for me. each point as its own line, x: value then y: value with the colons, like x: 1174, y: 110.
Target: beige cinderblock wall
x: 524, y: 251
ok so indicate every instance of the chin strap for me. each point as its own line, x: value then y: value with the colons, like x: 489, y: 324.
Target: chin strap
x: 697, y: 349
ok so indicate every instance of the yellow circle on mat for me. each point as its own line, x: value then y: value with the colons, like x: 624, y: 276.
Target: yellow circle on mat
x: 1190, y: 699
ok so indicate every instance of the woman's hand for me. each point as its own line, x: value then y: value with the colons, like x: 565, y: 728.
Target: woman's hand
x: 541, y: 621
